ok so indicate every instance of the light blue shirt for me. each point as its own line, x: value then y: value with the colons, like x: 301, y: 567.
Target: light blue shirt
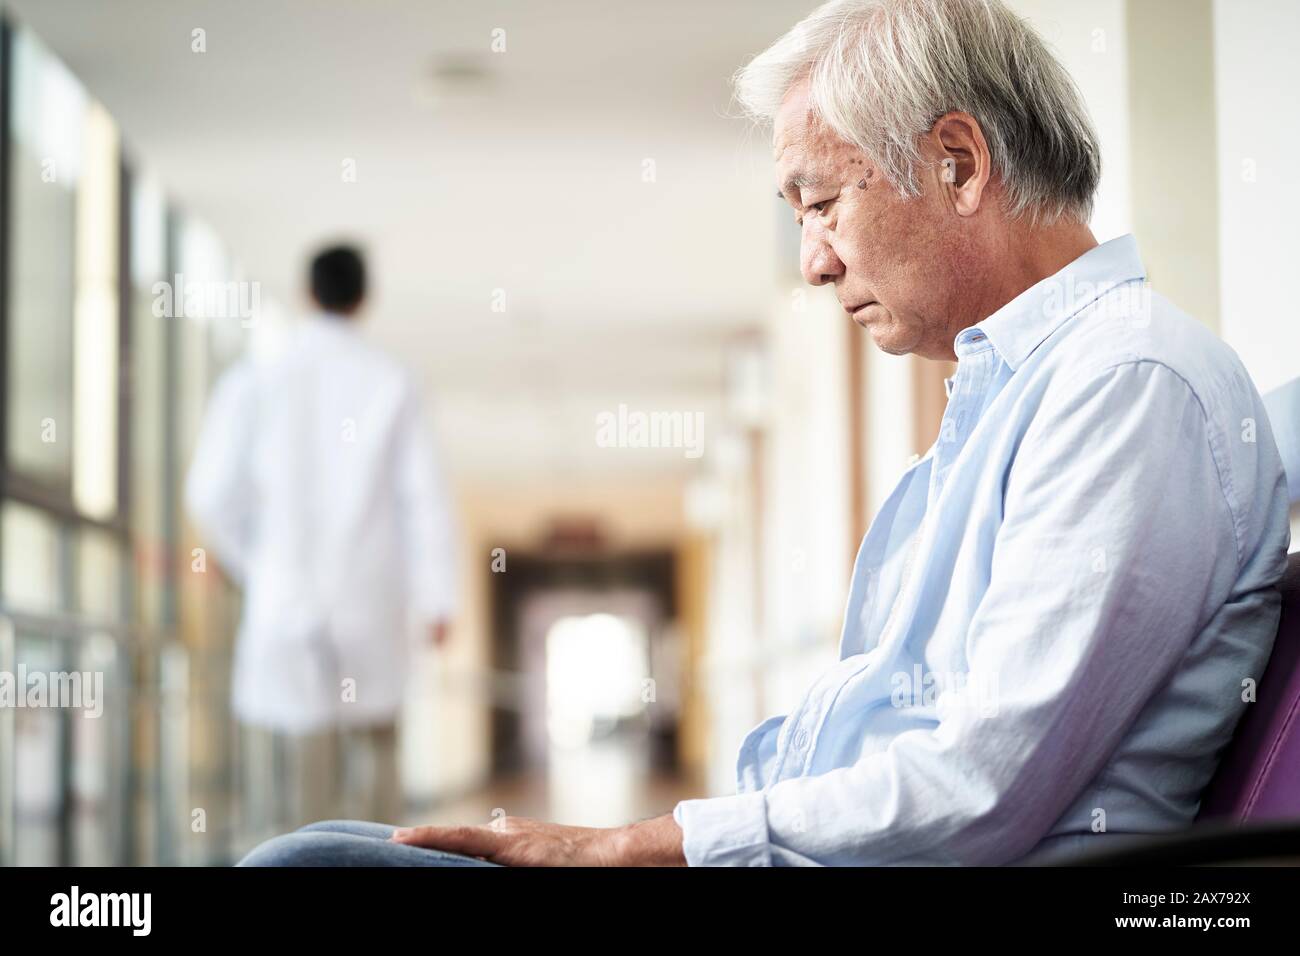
x: 1057, y: 617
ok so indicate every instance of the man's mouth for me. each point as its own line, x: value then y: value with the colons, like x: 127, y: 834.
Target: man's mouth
x: 856, y: 310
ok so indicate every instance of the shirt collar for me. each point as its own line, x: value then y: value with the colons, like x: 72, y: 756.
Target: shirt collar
x: 1021, y: 325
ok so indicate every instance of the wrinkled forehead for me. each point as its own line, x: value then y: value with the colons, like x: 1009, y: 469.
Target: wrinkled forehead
x: 805, y: 150
x: 794, y: 123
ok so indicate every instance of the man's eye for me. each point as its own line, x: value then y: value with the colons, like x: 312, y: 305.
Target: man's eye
x: 817, y: 207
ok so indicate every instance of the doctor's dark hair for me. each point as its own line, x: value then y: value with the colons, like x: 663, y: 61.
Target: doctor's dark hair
x: 338, y: 279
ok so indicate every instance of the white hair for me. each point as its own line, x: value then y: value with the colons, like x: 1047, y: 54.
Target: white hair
x: 882, y: 72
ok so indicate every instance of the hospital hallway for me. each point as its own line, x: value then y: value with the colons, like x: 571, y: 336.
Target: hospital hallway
x: 608, y: 776
x: 629, y: 451
x: 653, y: 464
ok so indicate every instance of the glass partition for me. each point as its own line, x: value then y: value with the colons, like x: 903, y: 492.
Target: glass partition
x: 48, y: 114
x: 32, y: 577
x: 96, y: 330
x: 147, y: 468
x: 38, y: 759
x: 112, y: 351
x: 64, y: 574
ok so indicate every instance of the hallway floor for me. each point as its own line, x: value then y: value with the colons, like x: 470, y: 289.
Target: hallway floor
x: 596, y: 785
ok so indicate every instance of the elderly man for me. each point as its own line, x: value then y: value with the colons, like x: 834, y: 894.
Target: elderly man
x: 1057, y: 616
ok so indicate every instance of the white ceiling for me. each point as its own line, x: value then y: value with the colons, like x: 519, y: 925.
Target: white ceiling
x: 529, y: 180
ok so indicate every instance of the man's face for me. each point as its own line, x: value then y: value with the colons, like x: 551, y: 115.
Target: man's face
x: 897, y: 264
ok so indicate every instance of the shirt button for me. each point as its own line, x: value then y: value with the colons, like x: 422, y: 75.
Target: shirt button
x: 801, y: 740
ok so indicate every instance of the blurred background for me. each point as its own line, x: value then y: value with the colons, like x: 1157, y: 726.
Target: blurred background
x: 563, y: 219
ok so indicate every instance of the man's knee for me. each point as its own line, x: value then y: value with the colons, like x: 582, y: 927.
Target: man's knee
x: 361, y: 828
x: 290, y: 849
x: 326, y: 826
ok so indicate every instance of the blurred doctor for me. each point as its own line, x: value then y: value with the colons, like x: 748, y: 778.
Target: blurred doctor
x: 314, y: 484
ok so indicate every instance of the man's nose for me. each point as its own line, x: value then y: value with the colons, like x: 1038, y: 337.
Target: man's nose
x: 817, y: 259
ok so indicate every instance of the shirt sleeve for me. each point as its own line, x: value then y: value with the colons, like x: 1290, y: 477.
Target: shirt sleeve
x: 429, y: 526
x: 218, y: 492
x: 1115, y: 492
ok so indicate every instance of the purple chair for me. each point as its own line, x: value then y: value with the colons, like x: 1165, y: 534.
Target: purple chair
x: 1259, y: 776
x: 1250, y: 812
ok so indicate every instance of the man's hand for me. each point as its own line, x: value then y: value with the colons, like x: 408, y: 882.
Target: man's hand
x: 518, y: 841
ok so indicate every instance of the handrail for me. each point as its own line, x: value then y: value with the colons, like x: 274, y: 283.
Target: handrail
x: 62, y: 624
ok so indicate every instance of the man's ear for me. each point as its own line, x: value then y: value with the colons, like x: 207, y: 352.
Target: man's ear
x: 964, y: 160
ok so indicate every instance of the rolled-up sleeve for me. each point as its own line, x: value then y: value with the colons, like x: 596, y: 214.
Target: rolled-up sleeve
x: 1115, y: 493
x: 725, y: 831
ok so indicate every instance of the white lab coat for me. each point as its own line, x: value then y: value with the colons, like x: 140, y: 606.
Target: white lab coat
x: 315, y: 485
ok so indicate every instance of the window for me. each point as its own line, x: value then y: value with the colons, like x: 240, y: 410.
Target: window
x: 48, y: 113
x: 33, y: 581
x: 147, y: 473
x: 64, y: 180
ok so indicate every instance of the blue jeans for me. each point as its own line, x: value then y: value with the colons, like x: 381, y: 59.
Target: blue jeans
x: 349, y: 843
